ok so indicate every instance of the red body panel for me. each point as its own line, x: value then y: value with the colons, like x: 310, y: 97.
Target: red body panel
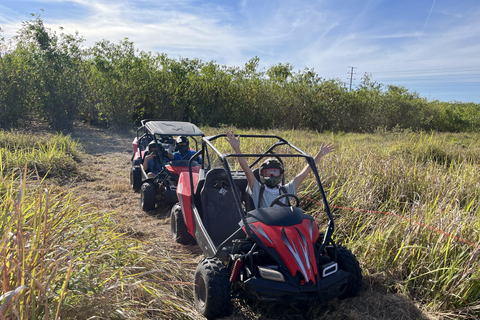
x: 294, y: 244
x: 135, y: 145
x: 184, y: 194
x: 179, y: 170
x: 138, y: 154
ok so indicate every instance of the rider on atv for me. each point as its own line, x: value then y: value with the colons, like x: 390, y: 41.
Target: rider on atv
x: 271, y: 175
x: 183, y: 150
x: 151, y: 163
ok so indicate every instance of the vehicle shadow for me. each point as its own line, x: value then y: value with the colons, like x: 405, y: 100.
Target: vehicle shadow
x: 162, y: 211
x: 375, y: 302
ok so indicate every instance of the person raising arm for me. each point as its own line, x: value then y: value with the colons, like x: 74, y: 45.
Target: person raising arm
x: 271, y: 173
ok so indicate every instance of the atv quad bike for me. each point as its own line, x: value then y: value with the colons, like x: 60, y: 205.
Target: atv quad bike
x: 161, y: 187
x: 273, y: 254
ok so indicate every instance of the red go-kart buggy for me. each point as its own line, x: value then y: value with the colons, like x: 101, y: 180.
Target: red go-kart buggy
x: 273, y: 254
x: 162, y: 187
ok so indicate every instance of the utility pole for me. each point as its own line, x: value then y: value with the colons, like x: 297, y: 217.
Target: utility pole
x: 351, y: 77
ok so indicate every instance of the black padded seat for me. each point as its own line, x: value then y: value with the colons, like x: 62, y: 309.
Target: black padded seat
x: 240, y: 180
x: 219, y: 214
x: 242, y: 184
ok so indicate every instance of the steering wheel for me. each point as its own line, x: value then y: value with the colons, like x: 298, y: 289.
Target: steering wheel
x: 277, y: 200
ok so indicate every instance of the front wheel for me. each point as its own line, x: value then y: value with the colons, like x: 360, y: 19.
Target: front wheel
x: 348, y: 262
x: 147, y: 196
x: 212, y: 289
x: 178, y: 227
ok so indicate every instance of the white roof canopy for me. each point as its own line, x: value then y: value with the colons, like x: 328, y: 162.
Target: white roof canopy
x: 173, y: 128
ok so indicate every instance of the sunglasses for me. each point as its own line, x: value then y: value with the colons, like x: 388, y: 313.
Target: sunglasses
x: 271, y: 172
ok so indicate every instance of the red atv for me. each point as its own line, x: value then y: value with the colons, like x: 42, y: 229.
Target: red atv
x: 273, y: 254
x: 162, y: 185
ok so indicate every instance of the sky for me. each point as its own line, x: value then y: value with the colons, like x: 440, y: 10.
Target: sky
x: 431, y: 47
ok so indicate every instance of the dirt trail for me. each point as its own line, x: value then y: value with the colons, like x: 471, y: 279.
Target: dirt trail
x: 105, y: 166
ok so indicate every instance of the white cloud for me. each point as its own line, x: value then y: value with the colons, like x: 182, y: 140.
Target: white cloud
x: 324, y: 35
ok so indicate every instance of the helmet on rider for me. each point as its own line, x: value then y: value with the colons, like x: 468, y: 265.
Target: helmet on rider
x: 182, y: 145
x: 271, y: 172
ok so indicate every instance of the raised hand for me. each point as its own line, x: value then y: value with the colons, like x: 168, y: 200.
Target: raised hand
x: 234, y: 142
x: 326, y: 149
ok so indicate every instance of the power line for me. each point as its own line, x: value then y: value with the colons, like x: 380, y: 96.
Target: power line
x: 438, y: 84
x: 446, y: 78
x: 466, y: 70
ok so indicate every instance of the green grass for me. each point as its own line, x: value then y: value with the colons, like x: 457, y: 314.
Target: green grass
x: 53, y: 154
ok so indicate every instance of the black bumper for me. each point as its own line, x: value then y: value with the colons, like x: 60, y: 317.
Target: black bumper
x: 283, y: 292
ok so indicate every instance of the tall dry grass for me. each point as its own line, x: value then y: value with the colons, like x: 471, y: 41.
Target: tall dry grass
x: 61, y: 259
x: 407, y: 204
x: 413, y: 216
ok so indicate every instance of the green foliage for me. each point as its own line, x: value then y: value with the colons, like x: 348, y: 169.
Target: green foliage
x: 119, y: 82
x: 52, y: 75
x: 52, y: 155
x: 13, y: 89
x: 56, y: 78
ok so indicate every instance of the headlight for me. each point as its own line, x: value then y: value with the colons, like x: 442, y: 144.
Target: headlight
x: 270, y: 274
x: 328, y: 269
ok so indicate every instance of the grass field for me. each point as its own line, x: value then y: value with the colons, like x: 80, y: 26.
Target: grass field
x: 407, y: 204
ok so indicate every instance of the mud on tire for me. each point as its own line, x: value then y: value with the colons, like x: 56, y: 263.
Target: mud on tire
x: 212, y: 289
x: 178, y: 227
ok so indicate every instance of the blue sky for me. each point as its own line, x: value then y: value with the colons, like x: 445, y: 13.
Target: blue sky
x: 429, y: 46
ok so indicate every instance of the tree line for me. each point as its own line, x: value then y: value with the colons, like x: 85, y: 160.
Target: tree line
x: 51, y: 75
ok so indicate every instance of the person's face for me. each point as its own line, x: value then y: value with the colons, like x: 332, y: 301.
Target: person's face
x: 182, y: 147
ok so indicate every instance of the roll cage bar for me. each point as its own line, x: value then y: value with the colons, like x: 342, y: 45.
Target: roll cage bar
x: 207, y: 143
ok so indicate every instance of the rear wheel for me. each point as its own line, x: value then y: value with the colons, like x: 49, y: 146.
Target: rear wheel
x: 212, y: 289
x: 348, y: 262
x: 135, y: 178
x: 147, y: 196
x: 179, y: 229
